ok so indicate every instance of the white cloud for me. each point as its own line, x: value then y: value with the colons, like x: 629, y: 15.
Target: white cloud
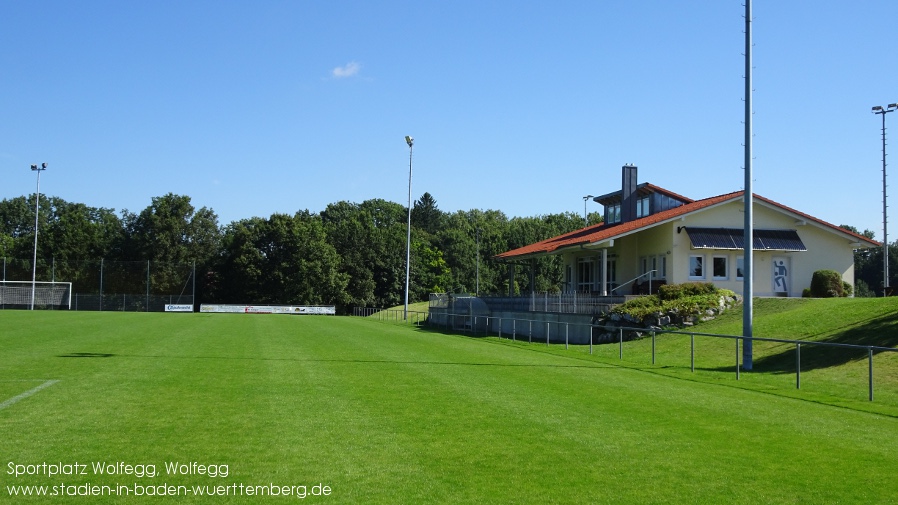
x: 350, y: 69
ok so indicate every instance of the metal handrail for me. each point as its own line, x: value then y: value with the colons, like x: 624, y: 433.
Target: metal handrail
x: 635, y: 278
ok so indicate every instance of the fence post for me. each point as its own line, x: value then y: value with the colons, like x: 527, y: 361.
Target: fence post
x: 692, y: 350
x: 567, y: 330
x: 514, y: 330
x: 737, y: 357
x: 653, y: 347
x: 621, y: 349
x: 870, y: 354
x: 530, y: 331
x: 797, y: 366
x: 547, y: 332
x: 500, y: 328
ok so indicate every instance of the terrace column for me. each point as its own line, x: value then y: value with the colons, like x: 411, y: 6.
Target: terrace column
x: 604, y: 289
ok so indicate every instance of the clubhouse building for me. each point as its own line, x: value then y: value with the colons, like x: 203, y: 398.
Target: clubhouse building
x: 652, y: 236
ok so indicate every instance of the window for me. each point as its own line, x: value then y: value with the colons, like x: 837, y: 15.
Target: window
x: 613, y: 212
x: 740, y: 268
x: 585, y: 268
x: 696, y: 267
x: 719, y: 267
x: 642, y: 207
x: 662, y: 270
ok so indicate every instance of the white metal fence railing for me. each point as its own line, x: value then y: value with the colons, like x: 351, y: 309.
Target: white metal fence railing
x: 559, y: 303
x: 541, y: 331
x: 414, y: 317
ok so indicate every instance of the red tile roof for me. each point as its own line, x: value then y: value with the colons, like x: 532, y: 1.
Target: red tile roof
x: 602, y: 232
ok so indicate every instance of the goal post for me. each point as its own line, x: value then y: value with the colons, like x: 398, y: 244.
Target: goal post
x: 47, y: 295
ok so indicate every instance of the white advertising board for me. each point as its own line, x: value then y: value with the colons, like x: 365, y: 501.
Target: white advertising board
x: 268, y: 309
x: 179, y: 307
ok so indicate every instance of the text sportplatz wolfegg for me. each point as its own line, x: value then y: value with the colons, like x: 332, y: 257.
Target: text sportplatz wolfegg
x: 119, y: 468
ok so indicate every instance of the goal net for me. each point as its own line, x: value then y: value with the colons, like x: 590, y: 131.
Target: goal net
x: 47, y: 295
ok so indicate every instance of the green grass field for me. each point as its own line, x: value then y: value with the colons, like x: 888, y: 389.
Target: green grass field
x: 389, y: 413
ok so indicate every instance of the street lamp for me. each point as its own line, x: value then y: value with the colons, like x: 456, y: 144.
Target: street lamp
x: 37, y: 206
x: 585, y: 219
x: 408, y: 240
x: 885, y: 236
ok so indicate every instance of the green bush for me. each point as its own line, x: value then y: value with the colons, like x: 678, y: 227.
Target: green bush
x: 640, y: 307
x: 692, y: 298
x: 677, y: 291
x: 827, y: 284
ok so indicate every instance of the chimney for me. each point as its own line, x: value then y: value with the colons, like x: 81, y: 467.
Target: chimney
x: 628, y: 193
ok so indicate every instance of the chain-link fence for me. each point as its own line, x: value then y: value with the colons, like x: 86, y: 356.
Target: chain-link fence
x: 136, y: 286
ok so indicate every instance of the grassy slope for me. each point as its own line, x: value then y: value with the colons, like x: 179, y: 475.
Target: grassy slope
x: 829, y: 375
x: 416, y: 306
x: 389, y: 414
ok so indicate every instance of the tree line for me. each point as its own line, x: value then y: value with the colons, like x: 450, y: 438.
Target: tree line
x: 349, y: 254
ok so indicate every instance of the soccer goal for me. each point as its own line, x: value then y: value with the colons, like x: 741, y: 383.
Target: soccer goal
x: 47, y: 295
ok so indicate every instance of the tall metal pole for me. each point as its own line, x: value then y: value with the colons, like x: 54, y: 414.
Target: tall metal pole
x: 408, y: 240
x: 885, y: 230
x: 585, y: 218
x: 748, y: 239
x: 885, y: 234
x: 37, y: 207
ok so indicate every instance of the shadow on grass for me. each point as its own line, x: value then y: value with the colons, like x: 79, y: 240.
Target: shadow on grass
x: 85, y: 355
x: 877, y: 332
x: 337, y: 361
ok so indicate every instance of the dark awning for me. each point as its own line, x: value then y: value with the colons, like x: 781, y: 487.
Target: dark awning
x: 732, y: 238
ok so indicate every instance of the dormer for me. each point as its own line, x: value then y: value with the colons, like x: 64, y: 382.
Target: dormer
x: 634, y: 201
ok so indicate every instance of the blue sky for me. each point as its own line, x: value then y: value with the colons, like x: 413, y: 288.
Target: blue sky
x: 252, y: 108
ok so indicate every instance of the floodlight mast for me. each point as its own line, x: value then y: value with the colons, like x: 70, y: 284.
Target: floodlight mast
x: 37, y: 206
x: 585, y: 218
x: 408, y: 240
x: 882, y: 111
x: 748, y: 239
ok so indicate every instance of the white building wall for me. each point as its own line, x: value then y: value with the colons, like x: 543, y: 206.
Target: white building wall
x: 826, y: 250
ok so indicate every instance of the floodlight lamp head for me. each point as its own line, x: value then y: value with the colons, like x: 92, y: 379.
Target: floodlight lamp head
x: 893, y: 106
x: 33, y: 167
x: 409, y: 140
x: 877, y: 108
x: 43, y: 166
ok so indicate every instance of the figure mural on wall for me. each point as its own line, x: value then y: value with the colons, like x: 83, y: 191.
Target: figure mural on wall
x: 780, y: 276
